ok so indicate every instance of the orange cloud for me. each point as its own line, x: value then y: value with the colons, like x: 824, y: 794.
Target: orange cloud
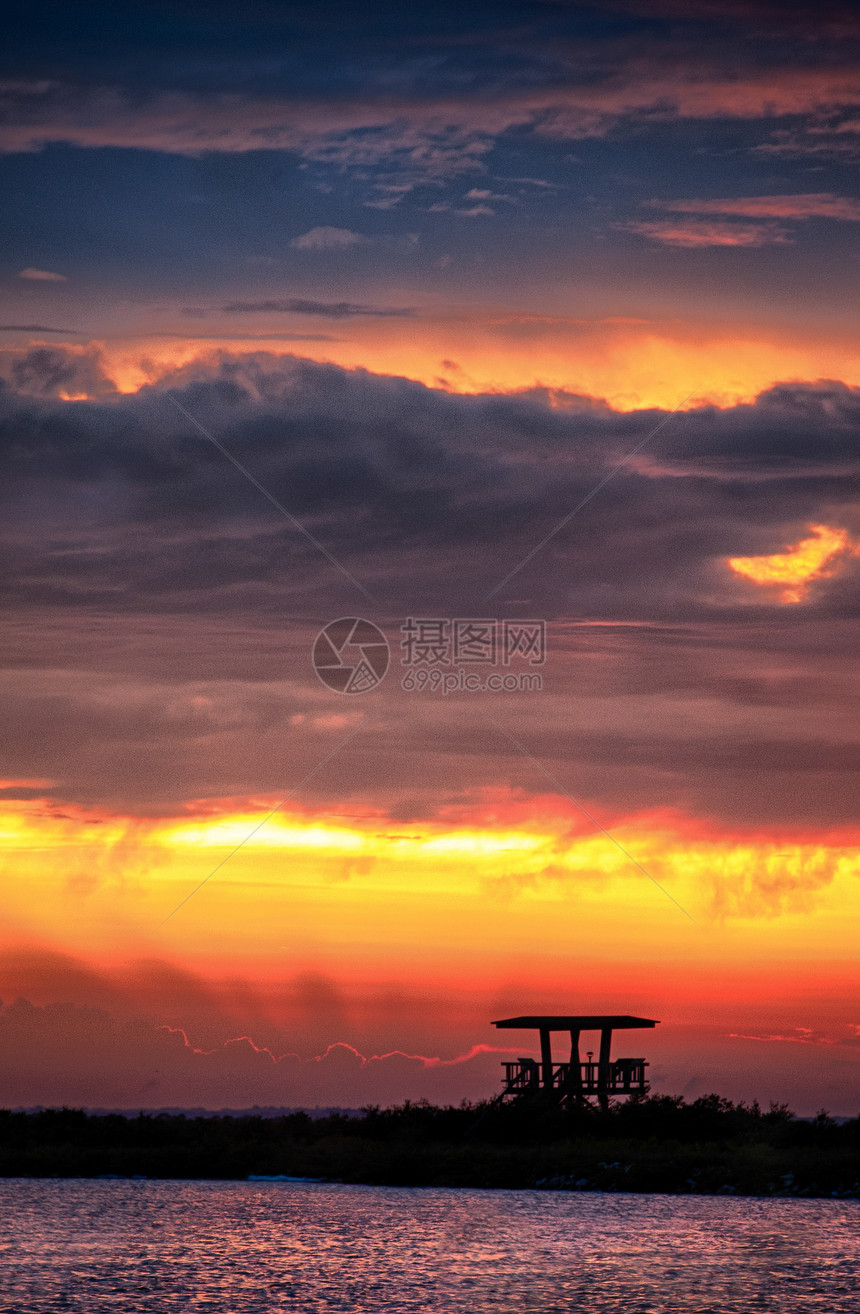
x: 42, y: 276
x: 793, y: 570
x: 698, y: 233
x: 806, y: 205
x: 631, y: 363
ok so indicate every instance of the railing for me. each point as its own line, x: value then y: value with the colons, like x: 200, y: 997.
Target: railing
x: 522, y: 1076
x: 623, y: 1076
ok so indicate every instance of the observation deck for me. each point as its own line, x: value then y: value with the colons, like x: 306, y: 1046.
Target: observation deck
x: 576, y: 1080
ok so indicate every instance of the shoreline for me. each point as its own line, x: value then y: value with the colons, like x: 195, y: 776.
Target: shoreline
x: 278, y: 1179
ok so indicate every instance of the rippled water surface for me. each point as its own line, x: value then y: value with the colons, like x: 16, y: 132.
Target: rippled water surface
x: 266, y: 1246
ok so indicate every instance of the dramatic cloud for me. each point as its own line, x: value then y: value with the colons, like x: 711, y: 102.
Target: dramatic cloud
x: 61, y: 372
x: 139, y: 515
x: 431, y: 473
x: 793, y: 571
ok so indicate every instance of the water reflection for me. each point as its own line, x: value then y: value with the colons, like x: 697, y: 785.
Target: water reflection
x: 242, y: 1247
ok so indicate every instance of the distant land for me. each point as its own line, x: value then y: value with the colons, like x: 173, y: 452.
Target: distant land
x: 654, y: 1144
x: 180, y: 1111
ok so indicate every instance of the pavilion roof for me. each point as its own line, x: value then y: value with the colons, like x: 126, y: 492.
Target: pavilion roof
x: 576, y: 1022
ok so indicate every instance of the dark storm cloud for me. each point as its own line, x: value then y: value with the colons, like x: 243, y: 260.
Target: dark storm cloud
x: 248, y: 337
x: 50, y: 371
x: 327, y: 309
x: 33, y: 328
x: 672, y: 680
x: 419, y: 492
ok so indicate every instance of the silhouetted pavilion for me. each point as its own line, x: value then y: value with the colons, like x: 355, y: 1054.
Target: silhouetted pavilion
x: 575, y: 1081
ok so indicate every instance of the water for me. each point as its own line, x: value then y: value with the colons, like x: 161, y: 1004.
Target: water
x: 237, y: 1247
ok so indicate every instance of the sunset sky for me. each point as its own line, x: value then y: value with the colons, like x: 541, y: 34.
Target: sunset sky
x: 498, y: 312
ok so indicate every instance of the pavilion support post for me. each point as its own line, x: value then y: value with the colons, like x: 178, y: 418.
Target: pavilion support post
x: 575, y: 1068
x: 546, y: 1059
x: 603, y: 1068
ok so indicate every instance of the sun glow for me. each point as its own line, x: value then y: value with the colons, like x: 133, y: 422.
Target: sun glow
x: 540, y: 863
x: 631, y: 364
x: 793, y: 570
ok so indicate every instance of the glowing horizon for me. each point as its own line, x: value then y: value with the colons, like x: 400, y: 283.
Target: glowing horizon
x: 531, y: 331
x: 664, y: 366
